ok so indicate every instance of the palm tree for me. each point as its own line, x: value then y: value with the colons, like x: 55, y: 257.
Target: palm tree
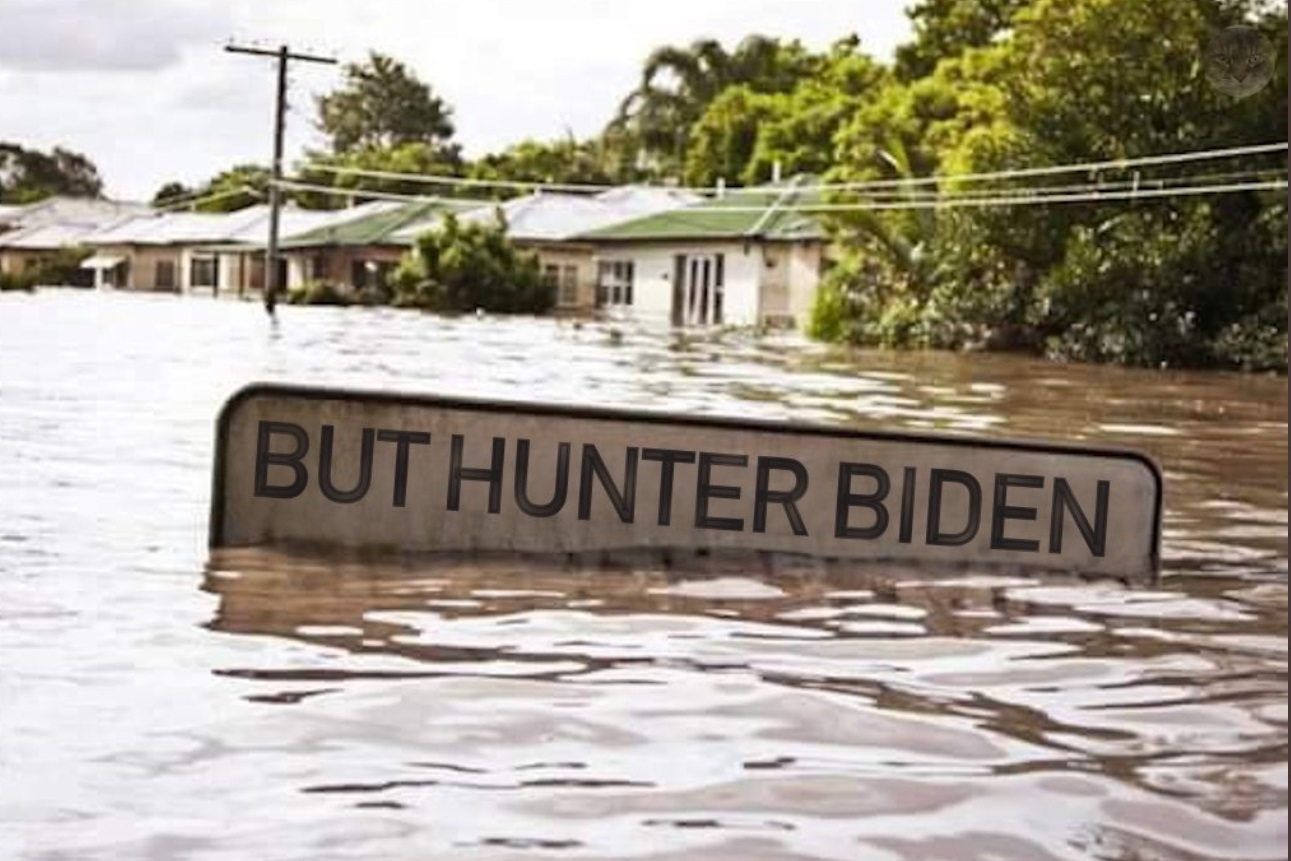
x: 678, y: 84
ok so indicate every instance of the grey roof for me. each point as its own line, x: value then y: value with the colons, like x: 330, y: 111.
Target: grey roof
x: 296, y: 221
x: 49, y: 237
x: 554, y: 217
x: 178, y: 228
x: 636, y: 200
x: 76, y: 210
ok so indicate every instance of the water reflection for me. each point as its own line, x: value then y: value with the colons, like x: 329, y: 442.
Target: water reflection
x: 811, y: 704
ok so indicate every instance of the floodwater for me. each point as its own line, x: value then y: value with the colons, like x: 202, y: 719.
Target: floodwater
x: 156, y: 703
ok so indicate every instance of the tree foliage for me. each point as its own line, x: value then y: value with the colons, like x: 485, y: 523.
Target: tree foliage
x: 417, y: 157
x: 469, y: 266
x: 383, y: 105
x: 565, y: 160
x: 679, y: 84
x: 29, y: 175
x: 228, y: 191
x: 1198, y: 281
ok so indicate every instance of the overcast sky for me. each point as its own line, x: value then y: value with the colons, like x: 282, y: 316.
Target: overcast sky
x: 146, y: 91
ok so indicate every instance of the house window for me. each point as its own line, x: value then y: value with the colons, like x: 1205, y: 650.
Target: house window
x: 614, y: 282
x: 565, y: 280
x: 165, y: 275
x: 203, y: 272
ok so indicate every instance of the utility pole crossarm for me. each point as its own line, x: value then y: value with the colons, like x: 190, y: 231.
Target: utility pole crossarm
x: 284, y: 55
x: 274, y: 52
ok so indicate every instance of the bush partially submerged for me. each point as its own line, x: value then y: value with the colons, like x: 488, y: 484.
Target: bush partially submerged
x: 61, y: 268
x: 468, y: 267
x: 21, y: 281
x: 319, y: 293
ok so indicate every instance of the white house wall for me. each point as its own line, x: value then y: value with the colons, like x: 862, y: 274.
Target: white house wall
x: 653, y: 270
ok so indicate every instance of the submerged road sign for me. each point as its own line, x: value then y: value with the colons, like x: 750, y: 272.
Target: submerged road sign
x: 373, y: 471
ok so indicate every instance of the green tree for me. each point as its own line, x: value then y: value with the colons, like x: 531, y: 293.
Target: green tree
x: 1172, y: 280
x: 722, y: 142
x: 678, y: 84
x: 465, y: 266
x: 29, y: 175
x: 172, y: 192
x: 565, y: 160
x: 228, y: 191
x: 417, y: 157
x: 801, y: 132
x: 383, y: 105
x: 945, y: 28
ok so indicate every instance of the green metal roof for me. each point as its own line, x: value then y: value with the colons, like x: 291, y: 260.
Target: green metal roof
x: 739, y: 214
x: 374, y: 229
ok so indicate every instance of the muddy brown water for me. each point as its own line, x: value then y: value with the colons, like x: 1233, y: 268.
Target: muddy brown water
x: 156, y: 702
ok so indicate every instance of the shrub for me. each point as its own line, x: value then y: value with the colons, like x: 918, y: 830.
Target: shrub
x: 464, y: 267
x: 64, y: 268
x: 319, y: 293
x: 24, y: 281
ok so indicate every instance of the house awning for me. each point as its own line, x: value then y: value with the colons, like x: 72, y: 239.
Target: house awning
x: 102, y: 261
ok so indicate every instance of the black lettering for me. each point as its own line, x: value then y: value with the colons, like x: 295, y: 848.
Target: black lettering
x: 873, y: 501
x: 705, y: 490
x: 1063, y: 499
x: 403, y: 441
x: 624, y: 501
x: 668, y: 458
x: 907, y: 505
x: 765, y: 495
x: 549, y: 509
x: 292, y: 460
x: 1002, y: 511
x: 458, y: 473
x: 360, y: 489
x: 935, y: 536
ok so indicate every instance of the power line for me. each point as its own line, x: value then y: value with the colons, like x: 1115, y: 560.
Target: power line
x: 283, y: 55
x: 208, y: 198
x: 955, y: 202
x: 464, y: 181
x: 946, y: 202
x: 334, y: 191
x: 1136, y: 182
x: 1050, y: 170
x: 1015, y: 173
x: 1038, y: 194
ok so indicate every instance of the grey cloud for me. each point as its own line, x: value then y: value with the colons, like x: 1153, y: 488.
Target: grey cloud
x: 80, y: 35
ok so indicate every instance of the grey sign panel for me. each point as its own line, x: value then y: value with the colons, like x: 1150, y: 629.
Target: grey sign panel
x: 362, y: 471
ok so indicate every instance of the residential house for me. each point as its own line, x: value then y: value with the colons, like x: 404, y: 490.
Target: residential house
x: 240, y: 257
x: 39, y: 231
x: 165, y: 251
x: 356, y: 249
x: 747, y: 257
x: 549, y: 224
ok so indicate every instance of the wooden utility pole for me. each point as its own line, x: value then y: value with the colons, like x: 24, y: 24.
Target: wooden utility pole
x: 283, y: 55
